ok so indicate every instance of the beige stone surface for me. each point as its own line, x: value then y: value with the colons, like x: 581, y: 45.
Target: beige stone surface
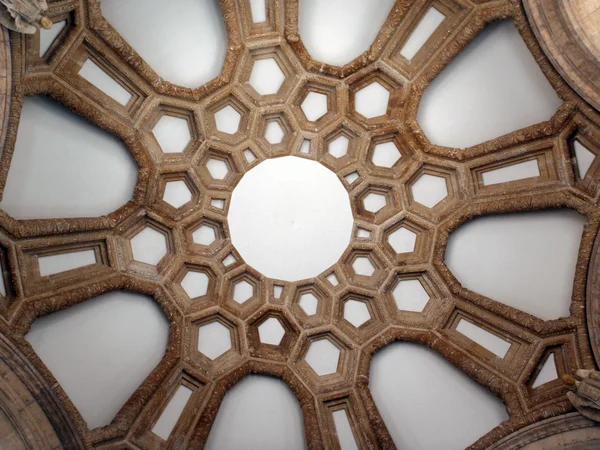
x: 88, y: 36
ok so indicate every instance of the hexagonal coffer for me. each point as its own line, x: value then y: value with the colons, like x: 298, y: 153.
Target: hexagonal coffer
x: 405, y: 240
x: 433, y: 189
x: 177, y: 193
x: 376, y: 203
x: 173, y: 131
x: 340, y: 147
x: 311, y: 305
x: 315, y: 104
x: 388, y: 154
x: 267, y: 74
x: 275, y: 132
x: 359, y: 315
x: 228, y: 118
x: 217, y: 169
x: 147, y: 244
x: 196, y: 283
x: 364, y: 267
x: 215, y: 341
x: 412, y: 297
x: 243, y: 292
x: 272, y: 334
x: 374, y: 97
x: 324, y: 359
x: 271, y: 331
x: 205, y: 235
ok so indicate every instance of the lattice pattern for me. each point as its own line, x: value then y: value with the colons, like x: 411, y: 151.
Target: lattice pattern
x: 88, y: 37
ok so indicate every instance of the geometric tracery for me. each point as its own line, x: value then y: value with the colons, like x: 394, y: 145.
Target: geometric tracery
x: 226, y: 128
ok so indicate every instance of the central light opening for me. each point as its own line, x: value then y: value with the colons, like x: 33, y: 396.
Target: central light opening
x: 290, y: 218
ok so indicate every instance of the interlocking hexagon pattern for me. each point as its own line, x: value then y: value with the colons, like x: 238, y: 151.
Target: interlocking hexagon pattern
x: 407, y: 196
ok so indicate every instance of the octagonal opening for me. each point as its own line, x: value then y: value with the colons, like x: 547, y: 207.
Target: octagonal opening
x: 290, y: 218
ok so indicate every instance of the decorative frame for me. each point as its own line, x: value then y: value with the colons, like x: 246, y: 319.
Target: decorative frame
x: 88, y: 34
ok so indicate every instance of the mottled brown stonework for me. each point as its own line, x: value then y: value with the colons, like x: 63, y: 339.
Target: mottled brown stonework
x: 543, y: 414
x: 31, y: 415
x: 568, y: 31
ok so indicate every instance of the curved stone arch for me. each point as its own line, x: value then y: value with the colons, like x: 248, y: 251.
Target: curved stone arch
x: 30, y: 406
x: 497, y: 385
x: 556, y: 28
x: 562, y: 193
x: 5, y: 83
x: 475, y: 24
x: 292, y: 35
x: 55, y: 90
x: 313, y: 428
x: 6, y: 108
x: 234, y: 49
x: 593, y: 300
x: 573, y: 428
x: 127, y: 414
x: 539, y: 202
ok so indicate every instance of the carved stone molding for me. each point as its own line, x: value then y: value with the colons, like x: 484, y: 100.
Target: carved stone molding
x: 571, y: 431
x: 593, y: 300
x: 568, y: 32
x: 536, y: 414
x: 31, y: 416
